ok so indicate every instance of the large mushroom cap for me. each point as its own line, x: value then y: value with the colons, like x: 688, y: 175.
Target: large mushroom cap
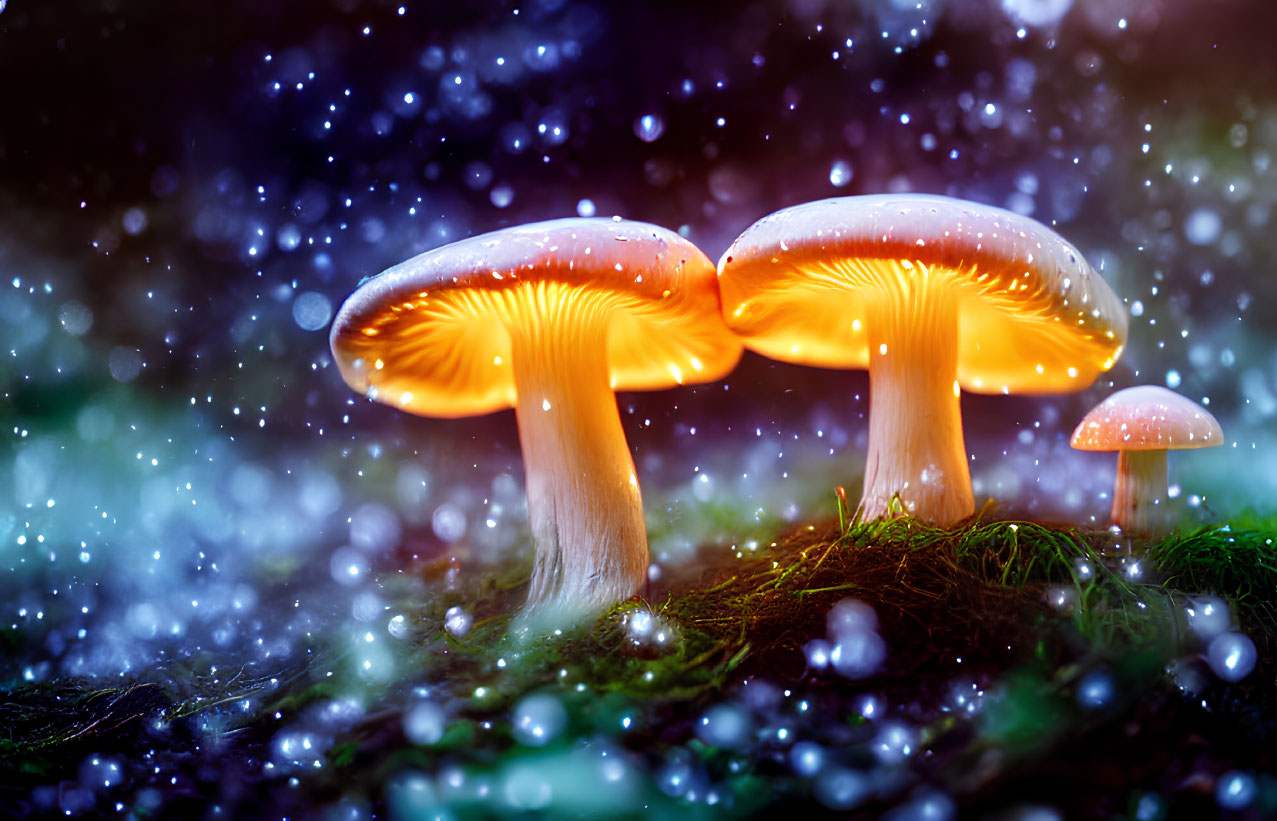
x: 1147, y: 417
x: 431, y: 335
x: 1033, y: 317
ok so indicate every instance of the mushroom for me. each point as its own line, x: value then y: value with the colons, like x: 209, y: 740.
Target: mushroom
x: 1141, y: 424
x: 930, y: 294
x: 549, y: 318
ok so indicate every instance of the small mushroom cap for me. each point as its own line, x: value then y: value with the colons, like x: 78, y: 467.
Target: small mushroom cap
x: 1033, y: 316
x: 1147, y: 417
x: 431, y: 335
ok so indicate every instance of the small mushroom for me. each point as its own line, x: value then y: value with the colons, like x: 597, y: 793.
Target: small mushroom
x: 549, y: 318
x: 1141, y: 424
x: 930, y: 294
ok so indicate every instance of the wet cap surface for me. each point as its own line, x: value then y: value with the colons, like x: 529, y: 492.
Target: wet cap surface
x: 800, y: 285
x: 432, y: 334
x: 1147, y: 417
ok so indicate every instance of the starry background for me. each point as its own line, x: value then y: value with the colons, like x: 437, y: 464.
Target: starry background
x: 188, y: 190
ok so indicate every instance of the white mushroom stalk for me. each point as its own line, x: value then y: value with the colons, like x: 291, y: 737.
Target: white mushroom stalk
x: 1139, y: 493
x: 584, y: 506
x: 916, y: 460
x: 550, y: 319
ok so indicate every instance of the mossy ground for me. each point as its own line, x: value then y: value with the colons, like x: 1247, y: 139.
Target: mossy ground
x: 1023, y: 610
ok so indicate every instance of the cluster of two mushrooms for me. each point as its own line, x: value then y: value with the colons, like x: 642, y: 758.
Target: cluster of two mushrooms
x: 931, y: 294
x: 935, y: 296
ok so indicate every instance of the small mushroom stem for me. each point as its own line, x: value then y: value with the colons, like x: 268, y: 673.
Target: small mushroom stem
x: 916, y: 450
x: 584, y: 506
x: 1139, y: 494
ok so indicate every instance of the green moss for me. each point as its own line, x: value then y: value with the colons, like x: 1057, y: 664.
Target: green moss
x: 964, y: 590
x: 985, y: 590
x: 1238, y: 564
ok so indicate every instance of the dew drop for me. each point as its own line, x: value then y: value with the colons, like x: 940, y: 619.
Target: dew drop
x: 806, y: 758
x: 1209, y: 616
x: 501, y: 195
x: 124, y: 363
x: 725, y: 725
x: 425, y: 723
x: 288, y: 237
x: 312, y: 310
x: 841, y: 788
x: 1095, y: 690
x: 76, y: 318
x: 840, y: 173
x: 1235, y: 790
x: 1202, y: 226
x: 649, y: 128
x: 1231, y: 656
x: 134, y: 221
x: 457, y: 621
x: 538, y: 719
x: 448, y: 522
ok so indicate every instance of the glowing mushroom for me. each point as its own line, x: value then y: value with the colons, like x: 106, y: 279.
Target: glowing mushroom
x: 931, y: 294
x: 550, y: 319
x: 1142, y: 423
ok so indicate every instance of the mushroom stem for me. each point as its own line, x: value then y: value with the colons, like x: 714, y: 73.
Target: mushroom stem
x: 1139, y: 494
x: 916, y: 448
x: 583, y: 494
